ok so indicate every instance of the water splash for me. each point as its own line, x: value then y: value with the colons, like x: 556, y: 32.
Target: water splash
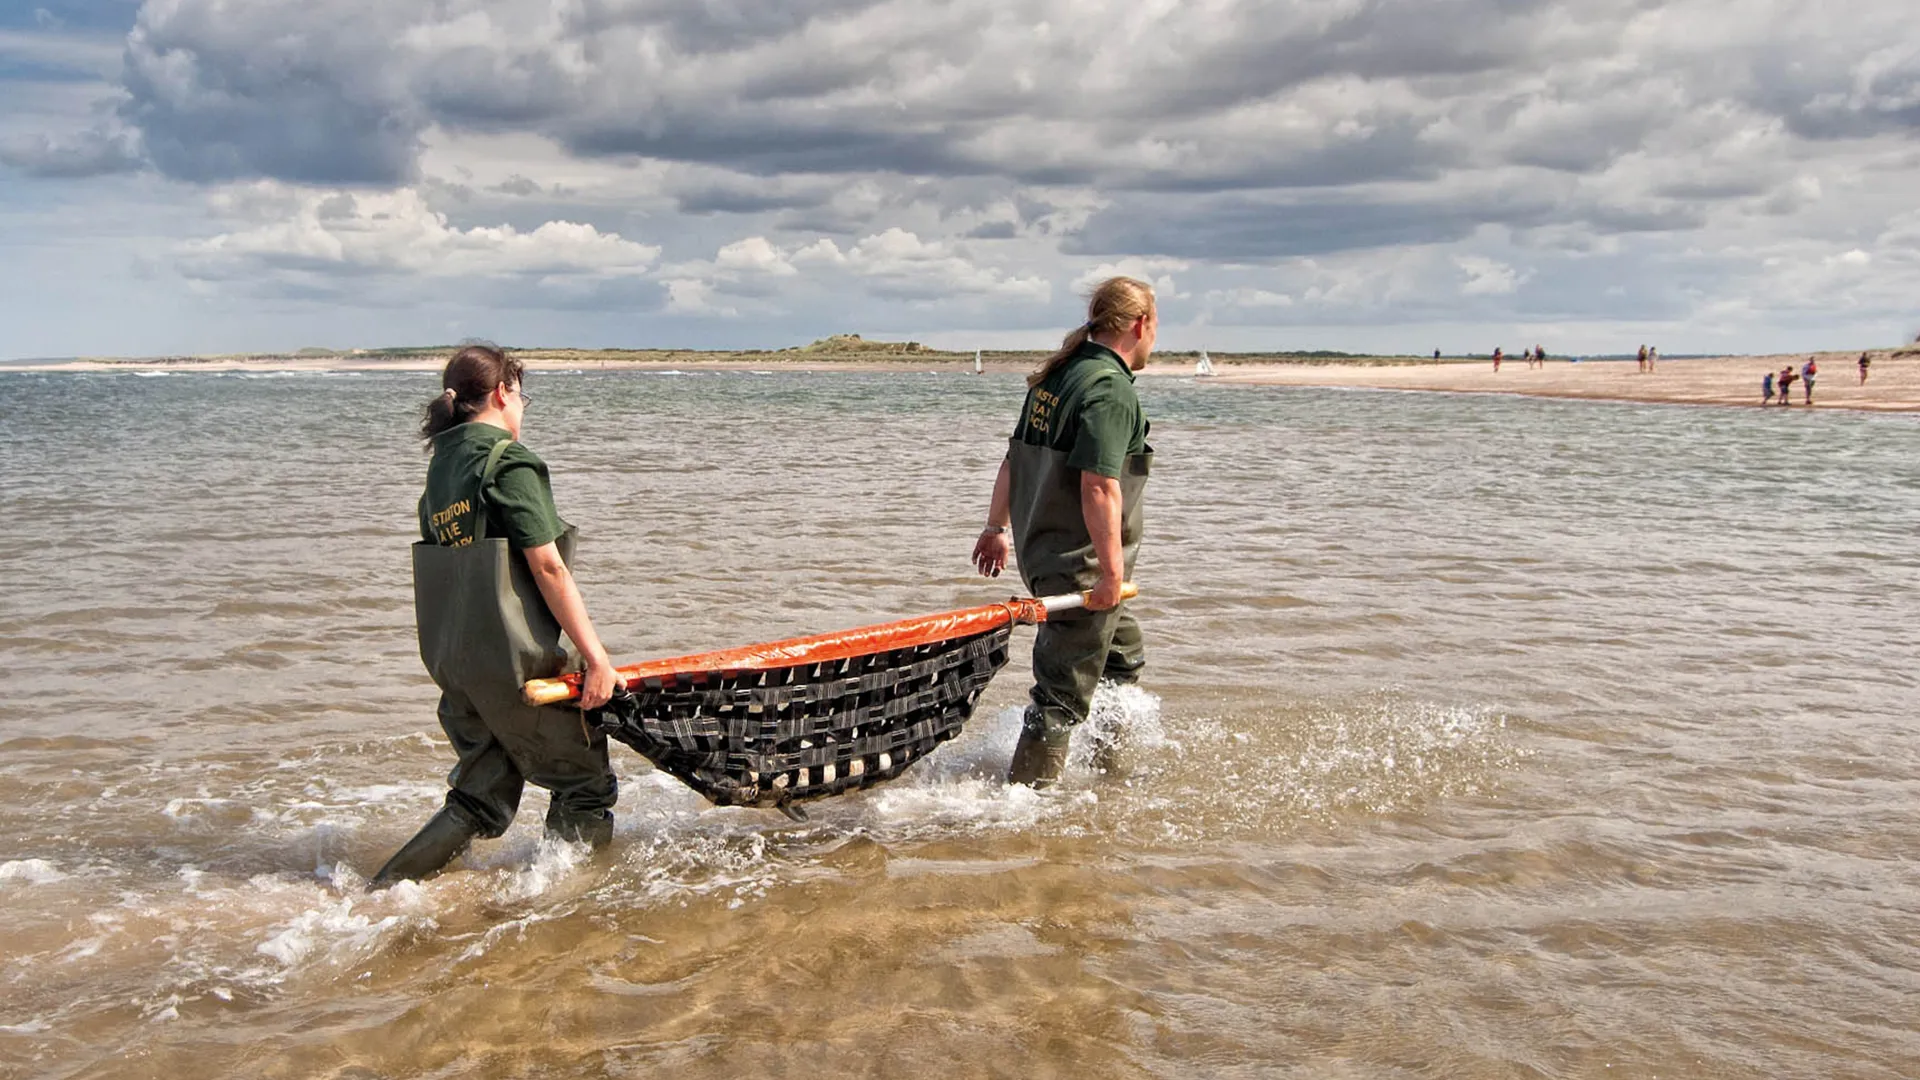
x: 1313, y: 764
x: 31, y: 872
x: 1123, y: 727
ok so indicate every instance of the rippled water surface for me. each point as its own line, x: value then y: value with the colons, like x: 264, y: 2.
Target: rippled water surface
x: 1486, y: 737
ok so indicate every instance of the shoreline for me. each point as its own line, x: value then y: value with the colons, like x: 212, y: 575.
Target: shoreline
x: 1893, y: 384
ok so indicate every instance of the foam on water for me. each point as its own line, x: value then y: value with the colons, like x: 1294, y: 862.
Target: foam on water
x: 724, y: 855
x: 1317, y: 765
x: 1123, y: 724
x: 963, y: 786
x: 336, y: 932
x: 30, y: 872
x: 523, y: 871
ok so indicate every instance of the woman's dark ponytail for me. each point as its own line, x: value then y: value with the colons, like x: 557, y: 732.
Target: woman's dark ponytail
x: 470, y: 375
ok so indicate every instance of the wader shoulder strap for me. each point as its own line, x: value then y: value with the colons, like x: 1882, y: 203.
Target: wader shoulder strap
x: 486, y: 481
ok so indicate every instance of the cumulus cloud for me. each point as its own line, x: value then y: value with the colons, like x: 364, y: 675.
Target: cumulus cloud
x: 294, y: 229
x: 1263, y: 118
x: 95, y: 151
x: 1486, y: 277
x: 754, y: 254
x: 295, y: 91
x: 691, y: 296
x: 1155, y: 272
x: 900, y: 264
x: 895, y: 264
x: 1247, y: 298
x: 1229, y: 93
x: 1335, y: 160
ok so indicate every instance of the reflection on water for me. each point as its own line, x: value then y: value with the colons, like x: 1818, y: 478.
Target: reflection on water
x: 1482, y: 737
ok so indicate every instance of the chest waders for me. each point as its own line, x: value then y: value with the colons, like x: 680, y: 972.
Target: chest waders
x: 1073, y: 653
x: 484, y: 630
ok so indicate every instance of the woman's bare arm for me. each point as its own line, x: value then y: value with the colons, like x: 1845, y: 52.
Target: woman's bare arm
x: 556, y: 584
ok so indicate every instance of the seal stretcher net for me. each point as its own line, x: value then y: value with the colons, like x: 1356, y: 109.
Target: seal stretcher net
x: 772, y: 724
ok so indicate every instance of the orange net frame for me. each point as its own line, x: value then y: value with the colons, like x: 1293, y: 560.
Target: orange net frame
x: 812, y: 649
x: 770, y: 724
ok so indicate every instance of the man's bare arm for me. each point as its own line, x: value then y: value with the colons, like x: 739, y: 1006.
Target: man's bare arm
x: 1100, y: 506
x: 990, y: 551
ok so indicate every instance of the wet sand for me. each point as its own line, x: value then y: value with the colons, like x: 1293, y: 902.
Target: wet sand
x: 1893, y: 383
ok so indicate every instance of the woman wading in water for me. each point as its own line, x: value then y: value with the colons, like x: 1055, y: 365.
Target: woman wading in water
x: 491, y: 594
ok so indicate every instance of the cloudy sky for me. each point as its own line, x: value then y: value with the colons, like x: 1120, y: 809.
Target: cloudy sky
x: 212, y: 175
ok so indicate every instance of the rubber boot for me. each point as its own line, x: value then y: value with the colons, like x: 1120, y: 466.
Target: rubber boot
x: 594, y: 829
x: 439, y: 842
x: 1037, y: 763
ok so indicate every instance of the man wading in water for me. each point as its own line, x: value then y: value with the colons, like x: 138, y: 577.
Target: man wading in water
x: 1068, y: 496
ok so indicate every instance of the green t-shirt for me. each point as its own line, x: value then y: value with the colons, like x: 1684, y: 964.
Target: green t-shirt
x: 519, y: 505
x: 1087, y: 408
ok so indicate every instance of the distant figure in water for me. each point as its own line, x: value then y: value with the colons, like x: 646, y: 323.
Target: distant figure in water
x: 492, y: 594
x: 1766, y: 389
x: 1865, y: 361
x: 1807, y: 373
x: 1786, y: 385
x: 1643, y: 359
x: 1497, y: 357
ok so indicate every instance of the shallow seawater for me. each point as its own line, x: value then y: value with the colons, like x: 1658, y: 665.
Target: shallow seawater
x: 1481, y: 737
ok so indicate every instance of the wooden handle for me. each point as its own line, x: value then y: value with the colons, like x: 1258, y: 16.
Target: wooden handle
x: 1076, y: 601
x: 547, y: 691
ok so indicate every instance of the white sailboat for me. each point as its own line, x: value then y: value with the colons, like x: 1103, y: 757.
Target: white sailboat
x: 1204, y: 367
x: 978, y: 367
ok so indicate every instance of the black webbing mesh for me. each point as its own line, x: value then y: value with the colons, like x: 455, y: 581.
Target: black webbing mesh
x: 767, y: 738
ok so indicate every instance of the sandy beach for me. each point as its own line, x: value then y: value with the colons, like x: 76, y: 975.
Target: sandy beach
x: 1893, y: 384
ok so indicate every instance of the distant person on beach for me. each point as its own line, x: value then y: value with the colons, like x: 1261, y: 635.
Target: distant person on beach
x: 492, y: 593
x: 1497, y: 357
x: 1653, y: 359
x: 1865, y: 362
x: 1068, y: 498
x: 1643, y: 359
x: 1786, y: 385
x: 1436, y: 356
x: 1807, y: 373
x: 1766, y: 388
x: 1540, y: 357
